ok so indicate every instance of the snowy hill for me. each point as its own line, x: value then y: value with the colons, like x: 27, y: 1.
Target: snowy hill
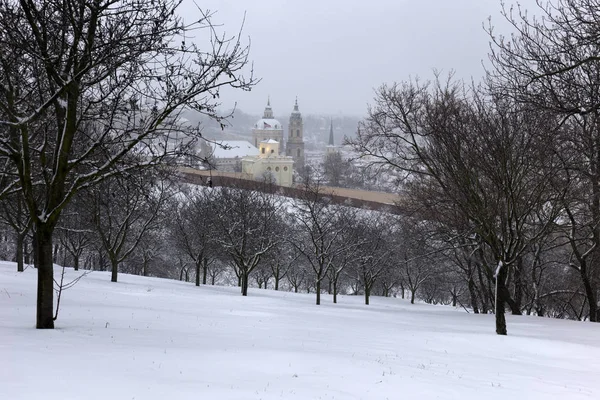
x: 146, y: 338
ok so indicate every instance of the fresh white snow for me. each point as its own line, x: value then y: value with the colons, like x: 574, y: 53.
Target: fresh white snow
x: 148, y: 338
x: 233, y: 149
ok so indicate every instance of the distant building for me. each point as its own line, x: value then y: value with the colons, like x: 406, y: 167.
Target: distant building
x: 227, y: 155
x: 331, y: 147
x: 295, y: 143
x: 265, y: 157
x: 267, y: 128
x: 267, y: 135
x: 269, y: 164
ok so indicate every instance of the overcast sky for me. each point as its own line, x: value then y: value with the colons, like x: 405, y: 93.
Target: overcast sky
x: 333, y: 53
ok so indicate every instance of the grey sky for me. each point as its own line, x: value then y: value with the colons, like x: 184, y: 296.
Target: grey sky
x: 332, y: 53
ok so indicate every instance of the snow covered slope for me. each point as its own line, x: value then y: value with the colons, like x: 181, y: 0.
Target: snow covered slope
x: 145, y: 338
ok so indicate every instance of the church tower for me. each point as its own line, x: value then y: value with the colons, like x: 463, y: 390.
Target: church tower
x: 331, y: 148
x: 267, y: 128
x: 295, y: 141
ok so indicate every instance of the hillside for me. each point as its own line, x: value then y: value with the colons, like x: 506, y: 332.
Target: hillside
x: 148, y: 338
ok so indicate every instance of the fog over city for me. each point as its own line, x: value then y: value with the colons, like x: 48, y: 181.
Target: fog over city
x: 332, y: 54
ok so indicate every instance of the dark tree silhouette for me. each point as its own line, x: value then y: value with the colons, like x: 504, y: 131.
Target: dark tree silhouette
x: 84, y: 85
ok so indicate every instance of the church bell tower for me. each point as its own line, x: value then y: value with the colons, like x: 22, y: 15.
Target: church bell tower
x: 295, y: 141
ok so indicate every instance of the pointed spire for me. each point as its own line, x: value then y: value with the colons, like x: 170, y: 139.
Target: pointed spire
x: 331, y: 133
x: 296, y: 105
x: 268, y: 114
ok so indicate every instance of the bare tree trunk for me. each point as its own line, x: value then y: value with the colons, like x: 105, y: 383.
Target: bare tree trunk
x: 76, y: 262
x: 45, y: 287
x: 335, y: 291
x: 500, y: 287
x: 473, y: 295
x: 412, y: 296
x: 26, y: 251
x: 205, y: 271
x: 590, y: 295
x: 276, y: 276
x: 87, y: 262
x: 244, y: 276
x: 318, y: 291
x: 504, y: 292
x: 101, y: 261
x: 539, y: 310
x: 518, y: 286
x: 367, y: 293
x: 198, y: 263
x: 114, y: 264
x: 482, y: 292
x: 19, y: 252
x: 55, y: 254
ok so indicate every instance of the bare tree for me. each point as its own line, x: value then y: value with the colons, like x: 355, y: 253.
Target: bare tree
x: 74, y: 231
x: 351, y: 244
x: 14, y: 215
x: 552, y: 64
x: 415, y: 255
x: 147, y: 253
x: 263, y: 275
x: 317, y: 220
x: 125, y: 211
x: 298, y: 274
x: 64, y: 64
x: 334, y: 168
x: 247, y: 229
x: 487, y: 157
x: 193, y: 226
x: 374, y: 251
x: 284, y: 257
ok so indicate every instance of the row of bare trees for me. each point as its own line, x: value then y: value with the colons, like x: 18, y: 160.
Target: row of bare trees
x: 306, y: 244
x: 506, y: 172
x: 92, y: 89
x: 251, y: 238
x: 146, y: 225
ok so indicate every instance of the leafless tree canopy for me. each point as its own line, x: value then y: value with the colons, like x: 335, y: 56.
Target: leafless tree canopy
x: 93, y: 88
x: 505, y: 173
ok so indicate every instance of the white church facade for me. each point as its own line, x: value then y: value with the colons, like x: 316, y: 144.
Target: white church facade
x: 270, y: 164
x: 276, y: 159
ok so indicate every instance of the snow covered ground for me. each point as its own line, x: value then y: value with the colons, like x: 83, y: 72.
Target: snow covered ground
x: 146, y: 338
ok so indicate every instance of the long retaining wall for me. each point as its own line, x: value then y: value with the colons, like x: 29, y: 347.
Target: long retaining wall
x: 349, y: 197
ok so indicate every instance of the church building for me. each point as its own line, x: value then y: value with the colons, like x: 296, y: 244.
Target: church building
x: 331, y: 147
x: 269, y: 164
x: 267, y: 135
x: 267, y: 128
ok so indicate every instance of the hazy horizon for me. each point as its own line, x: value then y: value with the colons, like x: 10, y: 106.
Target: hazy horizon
x: 332, y: 54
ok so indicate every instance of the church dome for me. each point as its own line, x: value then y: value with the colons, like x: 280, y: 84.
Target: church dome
x: 268, y: 124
